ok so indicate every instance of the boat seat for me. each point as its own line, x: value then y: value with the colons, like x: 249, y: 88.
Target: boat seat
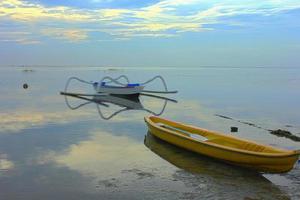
x: 223, y: 142
x: 253, y: 147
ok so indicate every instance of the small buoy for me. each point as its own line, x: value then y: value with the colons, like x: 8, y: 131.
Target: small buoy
x: 25, y: 85
x: 234, y: 129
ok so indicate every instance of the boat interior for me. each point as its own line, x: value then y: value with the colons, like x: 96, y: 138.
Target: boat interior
x: 211, y: 137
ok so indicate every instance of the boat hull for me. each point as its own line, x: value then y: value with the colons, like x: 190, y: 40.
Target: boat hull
x: 263, y: 162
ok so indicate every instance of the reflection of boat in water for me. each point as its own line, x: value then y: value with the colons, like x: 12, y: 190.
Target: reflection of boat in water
x: 126, y: 102
x: 219, y: 177
x: 227, y: 148
x: 131, y: 102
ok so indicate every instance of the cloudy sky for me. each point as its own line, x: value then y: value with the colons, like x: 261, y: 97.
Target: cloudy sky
x: 173, y: 33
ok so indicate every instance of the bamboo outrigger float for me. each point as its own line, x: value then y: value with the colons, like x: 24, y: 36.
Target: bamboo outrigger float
x: 241, y: 152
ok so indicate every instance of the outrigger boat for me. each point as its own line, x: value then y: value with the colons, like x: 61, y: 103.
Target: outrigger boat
x: 109, y: 85
x: 233, y: 150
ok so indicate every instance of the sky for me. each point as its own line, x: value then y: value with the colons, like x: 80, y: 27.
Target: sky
x: 135, y: 33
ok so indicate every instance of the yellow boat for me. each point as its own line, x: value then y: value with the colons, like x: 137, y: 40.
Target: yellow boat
x: 241, y: 152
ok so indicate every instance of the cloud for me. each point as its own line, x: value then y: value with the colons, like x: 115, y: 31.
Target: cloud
x: 5, y: 164
x: 25, y: 11
x: 111, y: 14
x: 72, y: 35
x: 21, y: 41
x: 162, y: 19
x: 21, y: 37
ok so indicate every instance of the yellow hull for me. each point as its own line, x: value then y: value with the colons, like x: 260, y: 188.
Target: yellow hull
x: 228, y: 148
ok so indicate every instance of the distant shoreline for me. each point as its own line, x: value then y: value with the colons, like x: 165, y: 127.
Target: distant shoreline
x: 137, y: 67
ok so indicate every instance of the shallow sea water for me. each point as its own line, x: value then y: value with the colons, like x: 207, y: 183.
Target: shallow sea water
x: 48, y: 151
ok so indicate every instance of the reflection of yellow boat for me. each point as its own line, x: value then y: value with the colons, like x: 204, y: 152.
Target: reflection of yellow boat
x: 228, y: 148
x: 190, y: 161
x: 219, y: 176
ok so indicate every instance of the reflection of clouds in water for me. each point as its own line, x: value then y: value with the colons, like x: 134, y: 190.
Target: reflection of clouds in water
x: 121, y: 164
x: 182, y: 109
x: 191, y: 109
x: 187, y: 111
x: 19, y: 120
x: 176, y: 111
x: 22, y: 119
x: 5, y: 164
x: 31, y: 114
x: 104, y: 153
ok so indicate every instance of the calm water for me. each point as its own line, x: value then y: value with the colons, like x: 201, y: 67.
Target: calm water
x: 48, y: 151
